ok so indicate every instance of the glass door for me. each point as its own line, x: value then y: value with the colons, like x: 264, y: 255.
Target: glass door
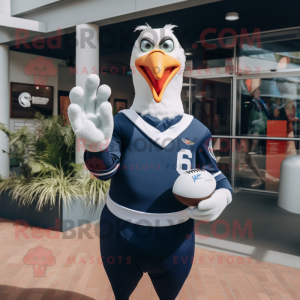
x: 211, y: 103
x: 268, y: 116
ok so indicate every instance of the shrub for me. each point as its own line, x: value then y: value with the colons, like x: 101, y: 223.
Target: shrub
x: 48, y: 170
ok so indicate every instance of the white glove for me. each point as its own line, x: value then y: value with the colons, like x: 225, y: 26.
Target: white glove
x: 210, y: 209
x: 90, y: 114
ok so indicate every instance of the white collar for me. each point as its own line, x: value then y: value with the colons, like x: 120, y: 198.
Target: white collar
x: 163, y: 139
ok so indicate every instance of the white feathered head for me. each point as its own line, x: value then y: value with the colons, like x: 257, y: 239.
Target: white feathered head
x: 157, y: 63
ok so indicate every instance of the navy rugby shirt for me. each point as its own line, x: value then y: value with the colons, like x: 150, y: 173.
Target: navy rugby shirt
x: 108, y: 161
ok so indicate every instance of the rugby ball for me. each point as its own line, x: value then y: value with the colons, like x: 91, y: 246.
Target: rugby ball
x: 193, y: 186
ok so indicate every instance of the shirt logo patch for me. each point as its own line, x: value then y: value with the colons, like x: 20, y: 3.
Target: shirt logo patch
x: 188, y: 142
x: 196, y: 177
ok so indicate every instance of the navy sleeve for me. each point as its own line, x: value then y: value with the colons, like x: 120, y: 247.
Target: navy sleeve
x: 224, y: 184
x: 104, y: 164
x: 205, y: 159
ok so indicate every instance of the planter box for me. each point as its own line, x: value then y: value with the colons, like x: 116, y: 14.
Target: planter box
x: 57, y: 218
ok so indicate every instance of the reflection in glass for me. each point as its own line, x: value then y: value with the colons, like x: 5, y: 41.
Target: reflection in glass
x: 269, y: 107
x: 258, y: 163
x: 210, y: 104
x: 210, y: 59
x: 264, y: 53
x: 266, y: 107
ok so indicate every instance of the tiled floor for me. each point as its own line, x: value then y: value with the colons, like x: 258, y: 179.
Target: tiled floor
x: 78, y: 274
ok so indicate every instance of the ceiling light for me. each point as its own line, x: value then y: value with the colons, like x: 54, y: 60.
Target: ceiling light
x: 188, y: 53
x: 232, y: 16
x: 37, y: 87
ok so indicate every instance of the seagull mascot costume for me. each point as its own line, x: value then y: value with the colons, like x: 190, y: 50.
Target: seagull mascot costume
x: 143, y: 150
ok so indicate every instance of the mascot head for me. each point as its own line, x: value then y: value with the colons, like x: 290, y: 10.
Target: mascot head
x: 157, y: 61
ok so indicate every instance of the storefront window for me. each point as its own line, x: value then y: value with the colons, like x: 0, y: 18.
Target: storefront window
x: 257, y: 164
x: 210, y: 57
x: 269, y: 107
x: 268, y: 52
x: 211, y: 102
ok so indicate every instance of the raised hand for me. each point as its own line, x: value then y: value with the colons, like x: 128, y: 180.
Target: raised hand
x: 90, y: 114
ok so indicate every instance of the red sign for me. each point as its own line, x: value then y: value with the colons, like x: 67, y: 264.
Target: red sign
x: 276, y: 150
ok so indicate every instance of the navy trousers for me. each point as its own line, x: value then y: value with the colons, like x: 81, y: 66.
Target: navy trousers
x: 129, y: 250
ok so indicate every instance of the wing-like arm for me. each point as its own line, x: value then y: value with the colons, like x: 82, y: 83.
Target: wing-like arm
x: 105, y: 164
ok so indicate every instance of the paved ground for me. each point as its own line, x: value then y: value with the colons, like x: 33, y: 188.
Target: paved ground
x: 271, y: 233
x: 74, y: 271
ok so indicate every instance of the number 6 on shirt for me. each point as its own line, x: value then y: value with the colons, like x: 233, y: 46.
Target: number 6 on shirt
x: 183, y: 161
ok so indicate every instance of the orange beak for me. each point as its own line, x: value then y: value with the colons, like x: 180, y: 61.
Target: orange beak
x: 158, y: 68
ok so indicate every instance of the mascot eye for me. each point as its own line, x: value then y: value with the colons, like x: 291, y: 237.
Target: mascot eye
x: 167, y: 45
x: 146, y: 46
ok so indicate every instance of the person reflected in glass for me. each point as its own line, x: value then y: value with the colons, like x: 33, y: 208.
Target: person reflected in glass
x: 286, y: 108
x: 257, y: 126
x: 288, y: 112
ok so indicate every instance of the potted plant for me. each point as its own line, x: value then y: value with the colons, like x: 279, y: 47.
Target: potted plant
x: 50, y: 191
